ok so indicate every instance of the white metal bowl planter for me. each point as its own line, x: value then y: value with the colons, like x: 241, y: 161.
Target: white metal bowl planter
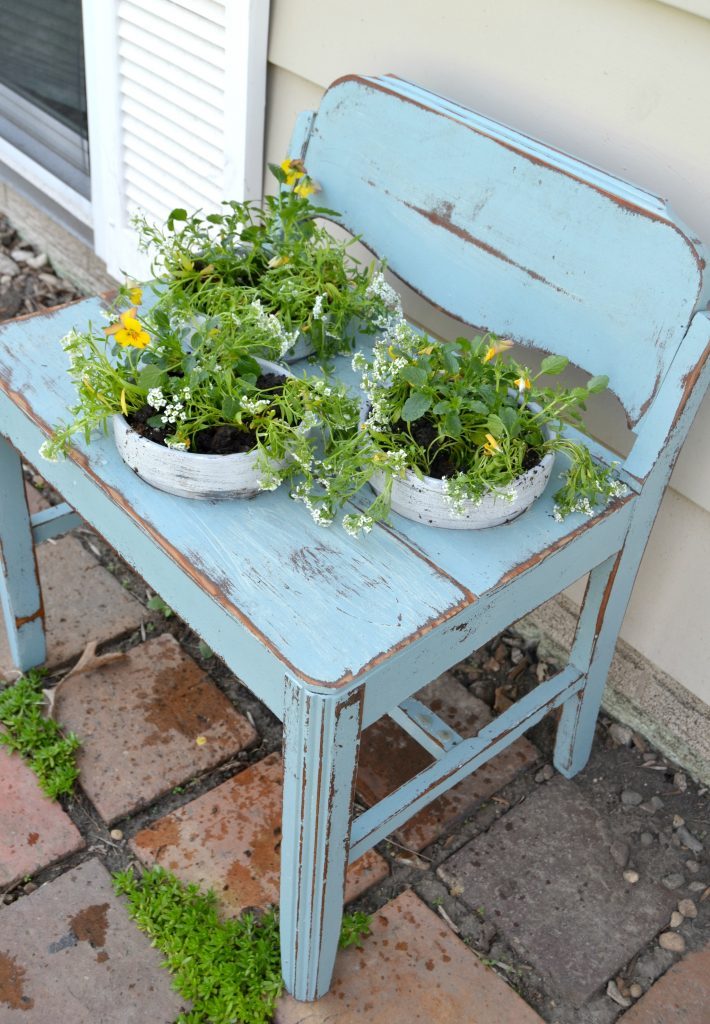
x: 191, y: 474
x: 425, y: 501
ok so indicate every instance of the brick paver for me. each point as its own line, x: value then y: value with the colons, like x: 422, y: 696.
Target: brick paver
x: 681, y: 996
x: 147, y: 722
x: 389, y: 757
x: 70, y: 953
x: 229, y: 840
x: 34, y: 830
x: 82, y: 602
x: 411, y: 969
x: 545, y: 876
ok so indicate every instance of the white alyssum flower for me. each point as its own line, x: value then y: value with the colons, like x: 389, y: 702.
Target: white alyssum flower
x: 357, y: 524
x: 176, y: 446
x: 49, y: 452
x: 156, y: 399
x: 317, y: 312
x: 254, y: 405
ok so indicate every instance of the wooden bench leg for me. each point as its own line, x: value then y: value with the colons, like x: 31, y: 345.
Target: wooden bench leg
x: 321, y: 742
x: 20, y: 593
x: 592, y: 651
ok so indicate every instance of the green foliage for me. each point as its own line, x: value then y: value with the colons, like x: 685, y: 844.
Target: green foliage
x: 275, y: 255
x: 156, y: 604
x: 355, y: 928
x: 230, y: 970
x: 50, y: 755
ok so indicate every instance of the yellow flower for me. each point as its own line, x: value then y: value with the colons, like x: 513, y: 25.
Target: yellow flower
x: 306, y: 188
x: 522, y: 384
x: 494, y: 350
x: 129, y: 331
x: 492, y: 447
x: 278, y: 261
x: 135, y: 295
x: 293, y: 169
x: 124, y: 407
x: 200, y: 741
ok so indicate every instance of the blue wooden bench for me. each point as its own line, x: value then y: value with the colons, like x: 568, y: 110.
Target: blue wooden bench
x: 330, y: 632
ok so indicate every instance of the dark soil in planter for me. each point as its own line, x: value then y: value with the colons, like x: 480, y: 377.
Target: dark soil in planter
x: 425, y: 434
x: 222, y: 439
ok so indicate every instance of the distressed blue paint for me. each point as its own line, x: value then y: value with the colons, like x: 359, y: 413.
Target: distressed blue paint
x: 53, y: 522
x: 20, y: 596
x: 455, y: 764
x: 331, y: 633
x: 507, y: 234
x: 321, y: 742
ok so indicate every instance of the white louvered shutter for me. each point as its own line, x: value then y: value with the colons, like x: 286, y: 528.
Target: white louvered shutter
x: 176, y: 93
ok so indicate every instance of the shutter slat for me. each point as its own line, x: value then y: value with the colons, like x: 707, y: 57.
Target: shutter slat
x: 173, y: 94
x: 162, y: 199
x: 140, y: 136
x: 181, y: 78
x: 173, y: 178
x: 179, y: 134
x: 194, y: 125
x: 210, y: 9
x: 187, y: 32
x: 201, y: 68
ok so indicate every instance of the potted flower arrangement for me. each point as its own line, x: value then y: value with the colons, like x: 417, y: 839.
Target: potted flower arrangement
x: 194, y: 410
x: 459, y: 436
x: 274, y: 260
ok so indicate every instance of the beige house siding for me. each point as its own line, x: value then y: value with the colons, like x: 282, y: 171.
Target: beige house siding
x: 620, y: 83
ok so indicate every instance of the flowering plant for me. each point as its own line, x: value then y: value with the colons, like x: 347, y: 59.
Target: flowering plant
x: 459, y: 412
x: 196, y: 389
x: 274, y: 259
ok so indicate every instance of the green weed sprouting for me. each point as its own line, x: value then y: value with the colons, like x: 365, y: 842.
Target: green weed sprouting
x: 39, y: 740
x: 230, y: 970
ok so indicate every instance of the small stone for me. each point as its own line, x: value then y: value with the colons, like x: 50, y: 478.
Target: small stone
x: 516, y: 655
x: 652, y: 805
x: 51, y: 280
x: 672, y: 941
x: 676, y: 919
x: 650, y: 756
x: 635, y: 990
x: 680, y: 782
x: 545, y: 773
x: 646, y: 839
x: 8, y: 267
x: 40, y: 260
x: 619, y: 853
x: 491, y: 665
x: 687, y: 908
x: 631, y: 877
x: 673, y: 881
x: 116, y: 833
x: 697, y: 886
x: 678, y: 821
x: 692, y: 866
x: 29, y: 887
x: 630, y: 798
x: 688, y: 839
x: 621, y: 734
x: 612, y: 990
x: 21, y: 255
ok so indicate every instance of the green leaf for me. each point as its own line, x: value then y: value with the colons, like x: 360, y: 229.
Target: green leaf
x: 509, y: 417
x: 596, y: 384
x: 150, y: 376
x: 177, y: 214
x: 415, y: 375
x: 553, y: 364
x: 441, y: 407
x: 452, y: 424
x: 278, y: 172
x: 230, y: 408
x: 480, y: 407
x: 496, y: 425
x: 215, y: 218
x: 416, y: 405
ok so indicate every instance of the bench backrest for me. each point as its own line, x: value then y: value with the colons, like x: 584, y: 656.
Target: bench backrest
x: 506, y: 233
